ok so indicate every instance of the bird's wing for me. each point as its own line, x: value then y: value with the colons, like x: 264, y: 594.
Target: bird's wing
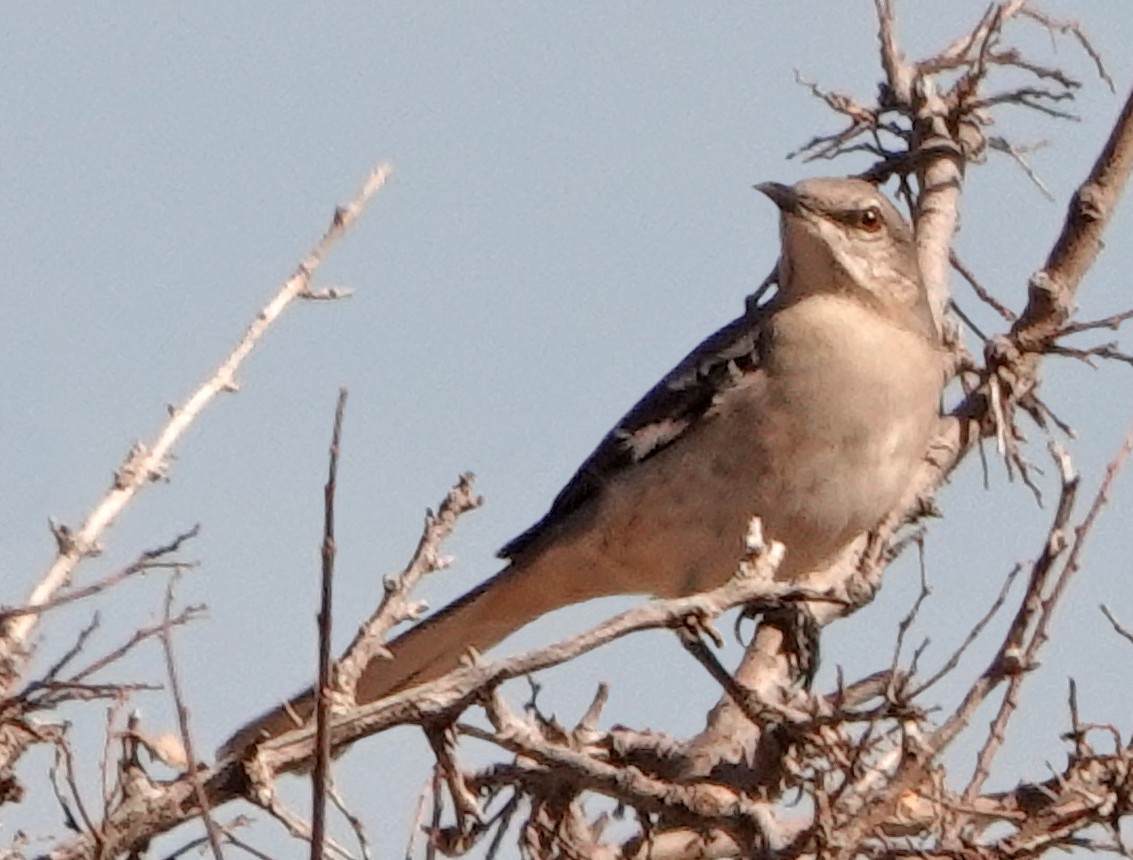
x: 670, y: 409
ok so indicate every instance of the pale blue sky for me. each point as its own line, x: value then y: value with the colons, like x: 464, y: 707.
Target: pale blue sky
x: 571, y: 211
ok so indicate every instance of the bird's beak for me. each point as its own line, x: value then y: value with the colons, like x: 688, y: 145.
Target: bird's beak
x: 783, y: 196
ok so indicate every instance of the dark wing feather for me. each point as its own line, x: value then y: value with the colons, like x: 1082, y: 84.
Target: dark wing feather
x: 671, y: 408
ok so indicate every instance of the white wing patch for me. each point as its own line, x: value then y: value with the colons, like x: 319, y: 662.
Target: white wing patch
x: 649, y: 437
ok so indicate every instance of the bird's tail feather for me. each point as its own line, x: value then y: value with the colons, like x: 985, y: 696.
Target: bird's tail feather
x: 480, y: 619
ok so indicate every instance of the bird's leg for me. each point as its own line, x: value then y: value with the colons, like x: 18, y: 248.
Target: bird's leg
x: 799, y: 631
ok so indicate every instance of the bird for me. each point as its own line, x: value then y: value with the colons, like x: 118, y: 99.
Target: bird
x: 812, y: 410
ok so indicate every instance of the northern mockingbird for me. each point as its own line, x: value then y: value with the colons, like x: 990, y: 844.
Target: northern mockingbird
x: 811, y: 411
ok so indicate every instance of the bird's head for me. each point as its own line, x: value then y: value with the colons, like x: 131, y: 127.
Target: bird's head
x: 844, y: 235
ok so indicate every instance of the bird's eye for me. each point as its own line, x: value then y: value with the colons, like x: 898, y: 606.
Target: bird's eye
x: 869, y: 219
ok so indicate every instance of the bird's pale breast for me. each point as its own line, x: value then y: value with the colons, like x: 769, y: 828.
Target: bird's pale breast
x: 818, y: 443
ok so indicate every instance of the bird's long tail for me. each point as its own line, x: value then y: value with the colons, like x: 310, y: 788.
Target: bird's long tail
x: 480, y: 619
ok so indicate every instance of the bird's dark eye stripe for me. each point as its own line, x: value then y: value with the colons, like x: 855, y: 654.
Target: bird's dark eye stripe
x: 868, y: 216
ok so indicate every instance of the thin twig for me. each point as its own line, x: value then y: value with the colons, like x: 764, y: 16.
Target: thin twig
x: 416, y: 823
x: 166, y: 635
x: 188, y: 614
x: 320, y: 776
x: 65, y: 756
x: 1118, y: 627
x: 973, y: 634
x: 355, y: 821
x: 1112, y: 322
x: 296, y: 826
x: 1074, y: 29
x: 1023, y: 648
x: 1009, y: 663
x: 986, y: 297
x: 70, y: 654
x: 147, y: 561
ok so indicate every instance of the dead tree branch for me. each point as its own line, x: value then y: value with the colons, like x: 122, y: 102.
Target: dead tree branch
x: 147, y: 463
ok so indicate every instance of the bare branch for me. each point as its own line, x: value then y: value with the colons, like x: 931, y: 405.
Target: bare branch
x: 1053, y: 288
x: 1008, y: 662
x: 984, y: 296
x: 953, y: 661
x: 1113, y: 322
x: 1072, y: 28
x: 395, y: 607
x: 147, y: 561
x: 148, y: 463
